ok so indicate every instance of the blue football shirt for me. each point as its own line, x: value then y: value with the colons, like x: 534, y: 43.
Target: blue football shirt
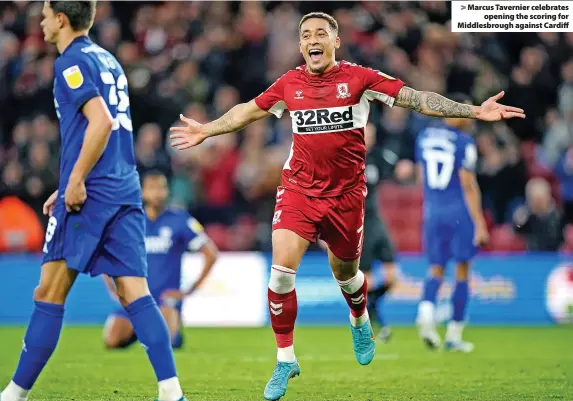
x: 167, y: 238
x: 443, y: 151
x: 84, y: 71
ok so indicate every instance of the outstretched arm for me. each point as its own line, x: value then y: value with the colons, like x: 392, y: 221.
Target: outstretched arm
x: 238, y: 117
x: 235, y: 119
x: 435, y: 105
x: 432, y: 104
x: 269, y: 102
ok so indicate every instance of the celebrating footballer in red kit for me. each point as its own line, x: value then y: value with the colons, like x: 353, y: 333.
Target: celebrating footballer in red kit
x: 323, y: 184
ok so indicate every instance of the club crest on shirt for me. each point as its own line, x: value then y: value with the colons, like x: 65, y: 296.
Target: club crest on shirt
x: 342, y: 90
x: 73, y: 77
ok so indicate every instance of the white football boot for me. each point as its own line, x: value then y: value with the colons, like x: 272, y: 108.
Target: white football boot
x: 454, y: 340
x: 426, y: 322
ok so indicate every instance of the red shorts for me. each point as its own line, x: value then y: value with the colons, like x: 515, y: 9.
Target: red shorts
x: 337, y: 220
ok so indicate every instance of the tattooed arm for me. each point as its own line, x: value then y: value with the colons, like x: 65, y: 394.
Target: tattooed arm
x: 235, y: 119
x: 193, y: 133
x: 432, y: 104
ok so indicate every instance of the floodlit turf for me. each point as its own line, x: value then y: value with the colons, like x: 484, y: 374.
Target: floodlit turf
x: 234, y: 364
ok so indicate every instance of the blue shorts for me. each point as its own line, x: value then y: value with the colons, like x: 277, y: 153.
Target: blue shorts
x: 121, y: 312
x: 449, y: 237
x: 100, y: 239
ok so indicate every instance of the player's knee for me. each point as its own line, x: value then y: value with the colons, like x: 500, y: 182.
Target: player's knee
x: 112, y: 342
x: 284, y: 259
x: 55, y: 283
x: 437, y: 272
x: 50, y: 293
x: 130, y: 289
x: 462, y: 271
x: 117, y: 333
x: 118, y: 342
x: 344, y: 270
x: 288, y: 248
x: 287, y: 255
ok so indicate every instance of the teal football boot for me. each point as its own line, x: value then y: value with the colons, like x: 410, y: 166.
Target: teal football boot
x: 363, y: 342
x: 277, y: 385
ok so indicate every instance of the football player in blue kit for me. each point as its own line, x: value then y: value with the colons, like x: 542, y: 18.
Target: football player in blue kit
x: 169, y: 234
x: 97, y: 223
x: 454, y: 225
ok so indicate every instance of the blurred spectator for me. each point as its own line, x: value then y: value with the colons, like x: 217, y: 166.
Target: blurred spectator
x: 40, y: 177
x: 109, y: 35
x: 225, y: 98
x: 12, y: 177
x: 192, y: 86
x: 44, y: 130
x: 148, y: 150
x: 252, y: 168
x: 282, y: 53
x: 395, y: 140
x: 565, y: 94
x: 501, y: 176
x: 564, y: 173
x: 217, y: 164
x: 183, y: 183
x: 557, y: 138
x: 539, y: 221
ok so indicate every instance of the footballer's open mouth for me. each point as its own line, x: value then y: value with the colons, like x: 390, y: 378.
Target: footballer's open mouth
x: 315, y: 54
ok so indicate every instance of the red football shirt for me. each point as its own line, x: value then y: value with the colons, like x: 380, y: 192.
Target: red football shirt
x: 329, y: 113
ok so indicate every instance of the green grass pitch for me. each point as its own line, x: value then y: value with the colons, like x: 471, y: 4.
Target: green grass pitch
x: 234, y: 364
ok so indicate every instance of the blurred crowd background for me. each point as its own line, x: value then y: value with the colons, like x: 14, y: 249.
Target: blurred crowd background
x: 201, y: 58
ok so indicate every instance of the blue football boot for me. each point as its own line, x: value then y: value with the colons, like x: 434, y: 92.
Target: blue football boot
x: 277, y: 385
x: 363, y: 342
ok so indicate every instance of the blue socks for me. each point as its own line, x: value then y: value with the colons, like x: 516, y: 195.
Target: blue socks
x: 431, y: 288
x: 460, y: 300
x: 45, y: 326
x: 40, y: 342
x: 153, y: 334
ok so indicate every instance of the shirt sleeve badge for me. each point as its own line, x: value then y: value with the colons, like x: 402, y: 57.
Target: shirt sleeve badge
x: 73, y: 77
x: 194, y: 225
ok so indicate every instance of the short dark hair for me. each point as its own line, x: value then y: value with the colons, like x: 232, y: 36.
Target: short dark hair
x: 320, y: 15
x: 80, y: 13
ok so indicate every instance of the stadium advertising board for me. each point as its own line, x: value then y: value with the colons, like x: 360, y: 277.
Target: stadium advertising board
x: 526, y: 289
x: 234, y: 293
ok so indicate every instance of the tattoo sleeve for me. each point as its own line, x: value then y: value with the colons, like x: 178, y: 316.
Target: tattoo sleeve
x: 223, y: 125
x: 432, y: 104
x: 235, y: 119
